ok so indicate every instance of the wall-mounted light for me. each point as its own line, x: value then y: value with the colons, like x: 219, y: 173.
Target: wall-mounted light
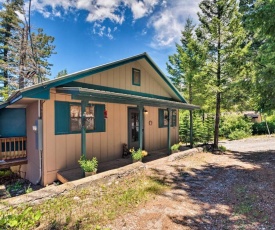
x: 34, y: 128
x: 145, y: 111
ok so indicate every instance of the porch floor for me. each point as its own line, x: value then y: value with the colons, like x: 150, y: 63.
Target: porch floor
x: 13, y: 162
x: 76, y: 173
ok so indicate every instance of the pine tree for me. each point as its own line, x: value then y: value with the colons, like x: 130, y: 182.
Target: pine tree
x: 221, y: 27
x: 24, y: 59
x: 185, y: 66
x: 9, y: 22
x: 261, y: 23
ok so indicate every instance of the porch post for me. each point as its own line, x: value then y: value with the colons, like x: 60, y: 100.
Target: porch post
x: 140, y: 132
x: 84, y: 103
x: 191, y: 128
x: 169, y: 130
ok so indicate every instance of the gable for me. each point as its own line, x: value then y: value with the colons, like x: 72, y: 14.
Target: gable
x: 120, y: 80
x: 114, y: 77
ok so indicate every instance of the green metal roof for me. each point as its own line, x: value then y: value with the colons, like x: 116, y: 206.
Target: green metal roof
x: 112, y: 97
x: 42, y: 90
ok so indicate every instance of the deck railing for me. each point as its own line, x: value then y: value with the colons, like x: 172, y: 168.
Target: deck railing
x: 13, y: 148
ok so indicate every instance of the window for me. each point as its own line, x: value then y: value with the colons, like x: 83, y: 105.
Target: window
x: 75, y: 118
x: 68, y: 118
x: 136, y: 77
x: 174, y: 118
x: 163, y: 118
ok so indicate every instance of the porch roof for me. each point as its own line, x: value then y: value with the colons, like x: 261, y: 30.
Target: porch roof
x: 79, y: 93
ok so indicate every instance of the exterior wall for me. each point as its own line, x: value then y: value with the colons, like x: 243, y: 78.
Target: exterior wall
x: 121, y: 78
x: 31, y: 170
x: 63, y: 151
x: 156, y: 138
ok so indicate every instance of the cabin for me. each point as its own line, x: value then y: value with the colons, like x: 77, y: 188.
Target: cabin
x: 45, y: 128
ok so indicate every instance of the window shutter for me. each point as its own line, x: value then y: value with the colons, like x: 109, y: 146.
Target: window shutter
x: 99, y: 118
x: 62, y: 117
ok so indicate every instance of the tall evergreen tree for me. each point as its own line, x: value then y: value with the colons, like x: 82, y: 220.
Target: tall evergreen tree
x: 261, y: 22
x: 221, y: 26
x: 9, y: 22
x: 185, y: 67
x: 25, y: 54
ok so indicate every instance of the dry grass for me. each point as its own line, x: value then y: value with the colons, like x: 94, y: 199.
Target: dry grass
x: 92, y: 207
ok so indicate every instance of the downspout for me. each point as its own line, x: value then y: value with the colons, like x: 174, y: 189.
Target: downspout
x: 40, y: 141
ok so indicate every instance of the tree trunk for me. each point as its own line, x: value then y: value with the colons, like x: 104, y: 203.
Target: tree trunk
x: 5, y: 55
x: 218, y: 95
x: 22, y: 64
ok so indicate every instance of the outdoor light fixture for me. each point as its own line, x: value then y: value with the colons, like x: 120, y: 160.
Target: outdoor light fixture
x: 34, y: 128
x: 145, y: 111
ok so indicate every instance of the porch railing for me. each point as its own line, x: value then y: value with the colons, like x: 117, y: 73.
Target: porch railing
x: 13, y: 148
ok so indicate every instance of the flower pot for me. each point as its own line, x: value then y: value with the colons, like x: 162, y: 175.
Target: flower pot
x: 134, y: 161
x: 89, y: 173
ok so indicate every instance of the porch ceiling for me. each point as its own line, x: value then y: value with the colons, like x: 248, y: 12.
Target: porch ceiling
x: 79, y: 93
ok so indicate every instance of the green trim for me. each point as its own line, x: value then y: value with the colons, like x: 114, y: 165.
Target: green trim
x: 62, y: 118
x: 169, y: 130
x: 105, y: 96
x: 43, y: 94
x: 170, y: 118
x: 115, y: 90
x: 34, y: 91
x: 168, y: 82
x: 133, y: 77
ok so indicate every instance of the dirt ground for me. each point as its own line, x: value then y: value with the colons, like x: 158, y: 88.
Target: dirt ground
x: 234, y: 190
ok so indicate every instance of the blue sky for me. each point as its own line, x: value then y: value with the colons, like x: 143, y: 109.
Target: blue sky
x: 89, y: 33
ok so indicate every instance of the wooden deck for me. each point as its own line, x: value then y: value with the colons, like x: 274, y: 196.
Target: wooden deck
x: 13, y: 151
x: 13, y: 162
x: 76, y: 173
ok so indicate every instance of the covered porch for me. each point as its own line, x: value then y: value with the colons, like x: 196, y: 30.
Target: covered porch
x: 76, y: 173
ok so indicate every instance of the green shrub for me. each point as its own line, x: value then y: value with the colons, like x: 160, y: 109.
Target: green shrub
x: 175, y: 147
x: 238, y: 134
x: 260, y: 128
x: 88, y: 165
x: 235, y: 127
x: 24, y: 220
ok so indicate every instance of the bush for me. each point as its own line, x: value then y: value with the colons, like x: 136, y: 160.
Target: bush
x: 260, y: 128
x: 235, y: 127
x: 238, y: 134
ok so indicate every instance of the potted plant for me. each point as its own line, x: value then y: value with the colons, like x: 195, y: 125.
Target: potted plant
x: 175, y: 148
x: 137, y: 155
x: 88, y: 166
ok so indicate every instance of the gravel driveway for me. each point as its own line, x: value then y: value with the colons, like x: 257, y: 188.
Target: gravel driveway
x: 234, y: 190
x: 262, y: 143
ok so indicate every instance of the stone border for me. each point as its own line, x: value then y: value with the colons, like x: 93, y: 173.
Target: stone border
x: 107, y: 177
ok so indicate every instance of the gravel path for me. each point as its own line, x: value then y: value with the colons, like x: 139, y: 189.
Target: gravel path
x: 229, y: 191
x: 262, y: 143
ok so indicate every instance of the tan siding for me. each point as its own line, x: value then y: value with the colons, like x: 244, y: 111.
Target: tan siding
x: 63, y: 151
x: 32, y: 168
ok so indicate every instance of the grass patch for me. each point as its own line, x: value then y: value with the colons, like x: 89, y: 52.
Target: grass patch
x: 93, y: 207
x: 247, y: 206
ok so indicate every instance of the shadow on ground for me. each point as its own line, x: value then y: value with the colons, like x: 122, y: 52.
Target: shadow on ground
x: 226, y: 197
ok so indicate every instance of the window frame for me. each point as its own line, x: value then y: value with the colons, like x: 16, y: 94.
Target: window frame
x: 62, y: 118
x: 70, y: 118
x: 161, y: 117
x: 134, y: 70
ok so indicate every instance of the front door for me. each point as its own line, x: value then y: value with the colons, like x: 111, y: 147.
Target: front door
x: 133, y: 128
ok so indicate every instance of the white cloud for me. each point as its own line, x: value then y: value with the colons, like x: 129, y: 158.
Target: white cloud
x: 103, y: 31
x: 166, y: 18
x: 169, y: 21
